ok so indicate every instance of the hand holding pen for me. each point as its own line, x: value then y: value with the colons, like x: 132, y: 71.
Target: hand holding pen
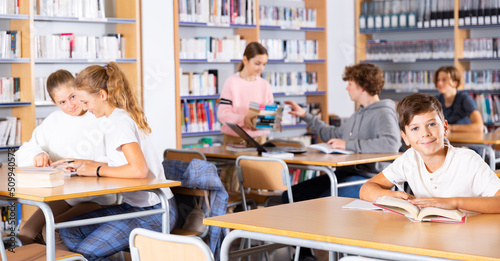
x: 400, y: 193
x: 68, y: 165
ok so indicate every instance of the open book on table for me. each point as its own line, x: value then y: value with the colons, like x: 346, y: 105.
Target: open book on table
x: 326, y: 148
x: 405, y: 208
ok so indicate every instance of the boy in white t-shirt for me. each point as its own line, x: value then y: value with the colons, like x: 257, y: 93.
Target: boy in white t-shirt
x: 438, y: 174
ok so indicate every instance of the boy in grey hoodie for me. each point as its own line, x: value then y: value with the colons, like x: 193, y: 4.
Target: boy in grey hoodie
x: 373, y: 128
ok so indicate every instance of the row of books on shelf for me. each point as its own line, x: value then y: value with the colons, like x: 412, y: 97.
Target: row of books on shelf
x: 212, y: 48
x: 394, y: 14
x: 10, y: 131
x: 291, y: 50
x: 287, y: 17
x: 10, y: 89
x: 10, y: 44
x: 199, y: 116
x: 8, y: 223
x: 292, y: 82
x: 410, y: 50
x: 219, y: 12
x: 41, y: 94
x: 9, y: 6
x: 71, y: 8
x: 203, y: 83
x: 481, y: 47
x: 489, y: 107
x: 481, y: 79
x: 478, y: 12
x: 299, y: 175
x: 409, y: 80
x: 71, y: 46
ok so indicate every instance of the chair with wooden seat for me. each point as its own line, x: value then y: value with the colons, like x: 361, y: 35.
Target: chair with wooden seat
x: 150, y: 245
x: 263, y: 177
x: 35, y: 252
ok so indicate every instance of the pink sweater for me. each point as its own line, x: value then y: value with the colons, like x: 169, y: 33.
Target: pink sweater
x: 241, y: 93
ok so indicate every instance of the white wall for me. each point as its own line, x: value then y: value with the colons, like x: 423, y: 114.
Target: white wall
x: 158, y: 65
x: 158, y: 71
x: 341, y: 49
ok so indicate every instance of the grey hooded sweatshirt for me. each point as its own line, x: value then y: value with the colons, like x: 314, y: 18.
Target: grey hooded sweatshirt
x: 373, y: 129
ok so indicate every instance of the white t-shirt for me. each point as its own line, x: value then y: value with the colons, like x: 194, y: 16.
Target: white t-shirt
x: 123, y: 130
x: 463, y: 174
x: 64, y: 136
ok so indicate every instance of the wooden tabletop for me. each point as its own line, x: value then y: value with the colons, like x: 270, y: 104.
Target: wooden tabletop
x: 324, y: 220
x: 311, y: 157
x: 481, y: 138
x: 77, y: 187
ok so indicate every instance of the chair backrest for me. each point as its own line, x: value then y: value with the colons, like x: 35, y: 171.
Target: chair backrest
x: 36, y: 252
x: 183, y: 155
x: 287, y: 143
x: 155, y: 246
x: 263, y: 173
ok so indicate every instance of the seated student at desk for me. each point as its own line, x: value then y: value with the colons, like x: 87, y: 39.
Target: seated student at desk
x: 105, y: 91
x: 438, y: 174
x: 69, y: 132
x: 459, y: 108
x: 373, y: 128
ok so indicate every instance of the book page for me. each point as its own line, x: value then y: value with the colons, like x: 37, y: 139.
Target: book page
x: 398, y: 205
x: 435, y: 214
x: 361, y: 204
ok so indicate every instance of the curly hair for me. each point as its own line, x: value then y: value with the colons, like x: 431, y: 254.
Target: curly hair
x: 367, y: 75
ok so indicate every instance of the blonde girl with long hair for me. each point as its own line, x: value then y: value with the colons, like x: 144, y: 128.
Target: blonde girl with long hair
x: 106, y: 92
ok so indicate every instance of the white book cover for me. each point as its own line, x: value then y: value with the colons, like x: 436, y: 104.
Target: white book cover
x: 326, y: 148
x: 11, y: 140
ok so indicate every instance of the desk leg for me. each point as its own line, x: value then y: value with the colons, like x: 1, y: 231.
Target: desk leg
x: 487, y: 149
x: 166, y: 207
x: 49, y: 226
x: 371, y: 252
x: 330, y: 171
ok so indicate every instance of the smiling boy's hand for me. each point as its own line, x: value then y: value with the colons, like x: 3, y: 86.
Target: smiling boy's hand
x: 444, y: 203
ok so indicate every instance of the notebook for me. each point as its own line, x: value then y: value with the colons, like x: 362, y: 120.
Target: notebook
x: 266, y: 147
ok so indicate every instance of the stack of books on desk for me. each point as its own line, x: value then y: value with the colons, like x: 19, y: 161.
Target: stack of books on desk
x: 268, y: 116
x: 39, y: 177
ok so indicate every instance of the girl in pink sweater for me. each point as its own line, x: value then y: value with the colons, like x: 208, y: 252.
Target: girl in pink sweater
x: 239, y: 90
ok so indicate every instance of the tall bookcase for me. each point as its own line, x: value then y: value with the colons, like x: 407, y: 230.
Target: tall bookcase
x: 255, y: 33
x: 458, y: 32
x: 122, y: 17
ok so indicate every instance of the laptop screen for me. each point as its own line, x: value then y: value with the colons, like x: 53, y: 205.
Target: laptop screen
x: 244, y: 135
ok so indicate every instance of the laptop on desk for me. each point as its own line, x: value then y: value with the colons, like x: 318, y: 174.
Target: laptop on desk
x: 266, y: 147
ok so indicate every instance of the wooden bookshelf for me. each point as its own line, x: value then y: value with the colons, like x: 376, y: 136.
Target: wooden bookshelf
x: 254, y: 34
x: 127, y: 21
x: 460, y: 33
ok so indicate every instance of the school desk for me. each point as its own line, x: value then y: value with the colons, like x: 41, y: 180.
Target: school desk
x: 323, y: 224
x: 484, y: 141
x: 311, y: 160
x: 77, y: 187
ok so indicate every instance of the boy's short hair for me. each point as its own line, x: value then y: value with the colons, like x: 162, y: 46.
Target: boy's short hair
x: 415, y: 104
x: 452, y: 71
x: 367, y: 75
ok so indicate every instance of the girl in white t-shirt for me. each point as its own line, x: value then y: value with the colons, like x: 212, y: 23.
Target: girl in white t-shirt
x: 105, y: 91
x: 68, y: 132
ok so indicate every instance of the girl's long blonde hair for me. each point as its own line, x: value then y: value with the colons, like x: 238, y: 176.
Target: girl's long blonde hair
x: 113, y: 80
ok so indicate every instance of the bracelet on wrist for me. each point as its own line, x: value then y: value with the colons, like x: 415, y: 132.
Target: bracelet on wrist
x: 97, y: 171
